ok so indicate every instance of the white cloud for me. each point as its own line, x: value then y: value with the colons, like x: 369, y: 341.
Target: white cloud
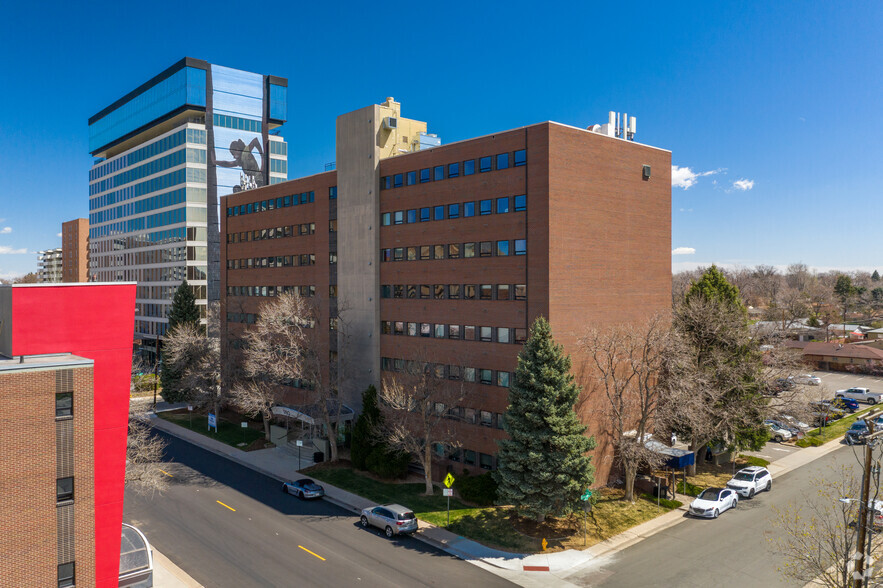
x: 58, y: 234
x: 5, y: 230
x: 686, y: 210
x: 743, y: 184
x: 5, y: 250
x: 683, y: 251
x: 685, y: 177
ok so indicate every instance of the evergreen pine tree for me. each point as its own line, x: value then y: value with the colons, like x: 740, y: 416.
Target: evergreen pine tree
x: 875, y: 276
x: 543, y: 468
x: 183, y: 310
x: 365, y: 439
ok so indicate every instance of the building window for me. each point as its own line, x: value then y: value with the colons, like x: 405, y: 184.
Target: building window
x: 503, y: 379
x: 385, y: 327
x: 398, y: 254
x: 64, y: 489
x: 454, y: 291
x: 385, y: 219
x: 487, y: 418
x: 520, y: 335
x: 502, y: 248
x: 484, y: 164
x: 425, y: 175
x: 397, y: 180
x: 469, y: 332
x: 503, y: 335
x: 425, y: 252
x: 453, y: 211
x: 487, y: 291
x: 412, y: 291
x: 453, y: 170
x: 454, y: 251
x: 439, y: 172
x: 412, y: 216
x: 424, y: 214
x: 398, y: 217
x: 502, y: 205
x: 425, y: 330
x: 332, y: 191
x: 399, y: 328
x: 398, y: 291
x: 468, y: 209
x: 439, y: 252
x: 439, y: 331
x: 332, y: 257
x: 469, y: 415
x: 520, y: 291
x: 520, y: 157
x: 332, y: 226
x: 66, y: 574
x: 386, y: 255
x: 520, y: 246
x: 412, y: 329
x: 438, y: 213
x: 412, y: 178
x: 64, y: 404
x: 468, y: 167
x: 412, y: 254
x: 485, y: 249
x: 332, y: 291
x: 468, y: 374
x: 468, y: 249
x: 453, y: 331
x: 485, y: 207
x: 424, y: 291
x: 454, y: 374
x: 486, y: 334
x: 439, y: 291
x: 469, y: 292
x: 485, y: 460
x: 486, y: 376
x: 502, y: 161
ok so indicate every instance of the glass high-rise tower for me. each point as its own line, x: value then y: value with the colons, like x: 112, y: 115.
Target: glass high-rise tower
x: 165, y: 156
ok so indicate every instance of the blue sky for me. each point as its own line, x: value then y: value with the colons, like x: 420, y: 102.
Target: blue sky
x: 771, y: 112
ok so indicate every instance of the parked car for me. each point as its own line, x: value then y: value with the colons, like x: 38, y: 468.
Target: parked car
x: 303, y: 488
x: 394, y: 519
x: 860, y: 395
x: 844, y: 404
x: 857, y: 433
x: 784, y: 384
x: 807, y: 379
x: 796, y: 432
x: 712, y: 502
x: 751, y: 480
x: 777, y: 431
x: 794, y: 422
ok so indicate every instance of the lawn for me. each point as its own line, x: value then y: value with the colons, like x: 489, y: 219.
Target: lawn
x: 495, y: 526
x: 230, y: 433
x: 835, y: 430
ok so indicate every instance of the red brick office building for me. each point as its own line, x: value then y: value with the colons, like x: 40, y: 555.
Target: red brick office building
x: 451, y: 252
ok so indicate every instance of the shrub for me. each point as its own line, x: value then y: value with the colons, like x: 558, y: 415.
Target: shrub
x: 480, y: 490
x: 810, y: 441
x: 388, y: 464
x: 754, y: 461
x: 691, y: 489
x: 364, y: 440
x: 667, y: 503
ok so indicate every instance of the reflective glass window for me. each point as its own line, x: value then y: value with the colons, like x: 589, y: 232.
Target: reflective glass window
x: 453, y: 170
x: 485, y: 164
x: 468, y: 167
x: 412, y: 178
x: 425, y: 175
x: 520, y: 157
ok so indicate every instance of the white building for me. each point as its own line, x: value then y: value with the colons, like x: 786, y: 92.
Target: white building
x: 49, y: 266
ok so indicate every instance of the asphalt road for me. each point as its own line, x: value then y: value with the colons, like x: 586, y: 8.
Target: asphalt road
x: 732, y: 550
x: 227, y: 525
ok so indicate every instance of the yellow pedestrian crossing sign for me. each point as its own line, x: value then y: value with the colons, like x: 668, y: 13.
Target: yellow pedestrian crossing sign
x: 449, y: 480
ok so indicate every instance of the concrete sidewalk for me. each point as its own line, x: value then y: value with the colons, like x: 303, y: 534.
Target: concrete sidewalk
x: 277, y: 463
x: 167, y: 575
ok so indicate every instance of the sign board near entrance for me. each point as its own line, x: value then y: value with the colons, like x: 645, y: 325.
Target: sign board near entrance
x: 447, y: 491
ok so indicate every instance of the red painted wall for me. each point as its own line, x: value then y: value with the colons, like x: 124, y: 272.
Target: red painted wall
x: 96, y: 322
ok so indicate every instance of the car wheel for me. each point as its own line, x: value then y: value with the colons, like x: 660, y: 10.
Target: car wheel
x: 735, y: 503
x: 715, y: 514
x: 285, y: 488
x: 778, y: 438
x: 871, y: 401
x: 364, y: 521
x: 769, y: 486
x: 388, y: 531
x: 751, y: 493
x: 849, y: 440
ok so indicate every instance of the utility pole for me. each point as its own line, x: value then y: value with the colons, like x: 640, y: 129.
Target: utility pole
x: 863, y: 517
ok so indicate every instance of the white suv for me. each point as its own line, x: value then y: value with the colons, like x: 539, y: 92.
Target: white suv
x: 750, y: 481
x: 860, y: 395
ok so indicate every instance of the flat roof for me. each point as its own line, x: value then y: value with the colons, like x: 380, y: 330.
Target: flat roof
x: 45, y: 361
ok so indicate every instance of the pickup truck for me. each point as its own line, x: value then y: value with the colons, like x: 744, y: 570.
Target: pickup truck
x: 860, y: 395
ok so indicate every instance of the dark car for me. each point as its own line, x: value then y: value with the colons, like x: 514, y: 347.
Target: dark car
x: 849, y: 404
x: 304, y: 488
x: 857, y: 434
x: 783, y: 384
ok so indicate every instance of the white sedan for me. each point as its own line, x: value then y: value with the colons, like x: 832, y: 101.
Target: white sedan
x: 807, y: 379
x: 712, y: 502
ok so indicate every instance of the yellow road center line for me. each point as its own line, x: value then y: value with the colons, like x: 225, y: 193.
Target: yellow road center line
x: 166, y: 473
x: 225, y: 506
x: 311, y: 553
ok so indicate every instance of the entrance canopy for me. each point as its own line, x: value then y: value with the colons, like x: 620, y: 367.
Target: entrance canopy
x: 312, y: 414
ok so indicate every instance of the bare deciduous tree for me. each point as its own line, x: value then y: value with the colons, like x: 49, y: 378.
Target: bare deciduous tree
x: 817, y: 537
x: 196, y: 353
x: 627, y: 364
x: 254, y: 398
x: 415, y: 405
x: 143, y: 452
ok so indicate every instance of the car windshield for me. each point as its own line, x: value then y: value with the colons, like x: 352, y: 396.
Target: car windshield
x: 405, y: 516
x: 305, y: 481
x: 710, y: 494
x: 744, y: 477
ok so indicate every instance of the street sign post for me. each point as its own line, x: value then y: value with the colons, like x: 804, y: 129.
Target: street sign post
x: 190, y: 412
x: 449, y: 481
x: 299, y: 443
x: 587, y: 499
x: 212, y: 422
x: 244, y: 427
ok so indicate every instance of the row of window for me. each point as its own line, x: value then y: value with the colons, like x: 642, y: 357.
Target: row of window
x: 166, y: 292
x: 272, y: 204
x: 272, y: 233
x: 196, y: 136
x: 452, y: 211
x: 450, y: 372
x: 169, y: 161
x: 485, y: 461
x: 165, y: 237
x: 276, y: 261
x: 169, y: 217
x: 278, y: 147
x: 174, y: 273
x: 454, y: 170
x: 459, y: 332
x: 264, y: 291
x: 190, y: 174
x: 167, y: 255
x: 455, y: 250
x: 235, y: 122
x: 151, y: 328
x: 279, y: 165
x: 455, y: 291
x: 147, y: 204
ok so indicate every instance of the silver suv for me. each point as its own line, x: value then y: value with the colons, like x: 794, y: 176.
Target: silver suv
x: 394, y: 519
